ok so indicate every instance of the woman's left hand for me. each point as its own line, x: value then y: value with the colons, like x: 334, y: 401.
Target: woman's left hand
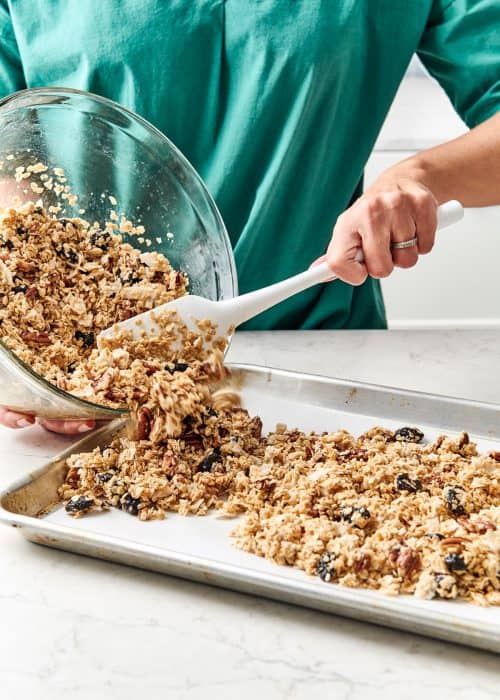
x: 389, y: 212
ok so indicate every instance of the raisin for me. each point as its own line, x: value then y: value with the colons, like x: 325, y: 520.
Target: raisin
x: 7, y: 244
x: 87, y: 339
x: 404, y: 483
x: 20, y: 288
x: 130, y: 279
x: 455, y: 562
x: 408, y: 434
x: 79, y: 504
x: 130, y: 505
x: 453, y: 500
x: 100, y: 239
x: 103, y: 477
x: 437, y: 535
x: 347, y: 513
x: 211, y: 412
x: 67, y: 253
x: 21, y: 231
x: 71, y: 367
x: 177, y: 367
x: 325, y: 568
x: 209, y: 461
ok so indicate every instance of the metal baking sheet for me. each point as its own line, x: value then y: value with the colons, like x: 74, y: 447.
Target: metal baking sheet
x: 199, y: 548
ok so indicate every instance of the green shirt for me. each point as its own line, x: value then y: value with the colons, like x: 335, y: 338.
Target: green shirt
x: 276, y: 103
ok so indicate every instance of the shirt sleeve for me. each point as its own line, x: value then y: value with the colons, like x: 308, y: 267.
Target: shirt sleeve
x: 11, y: 69
x: 460, y: 47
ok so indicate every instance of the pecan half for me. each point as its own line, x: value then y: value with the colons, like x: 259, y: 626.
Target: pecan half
x: 256, y: 427
x: 362, y: 562
x: 408, y: 562
x: 103, y: 382
x: 193, y: 440
x: 144, y: 422
x: 32, y: 293
x: 72, y: 477
x: 40, y: 337
x: 455, y: 540
x: 26, y: 267
x: 354, y: 453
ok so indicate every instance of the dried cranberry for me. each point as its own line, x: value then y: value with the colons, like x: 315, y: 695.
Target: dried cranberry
x: 209, y: 461
x: 130, y: 505
x: 408, y: 434
x: 176, y: 367
x: 347, y: 513
x: 100, y: 239
x: 79, y: 504
x: 404, y: 483
x: 455, y: 562
x: 325, y: 567
x: 453, y: 500
x: 103, y: 477
x: 87, y: 339
x: 130, y: 279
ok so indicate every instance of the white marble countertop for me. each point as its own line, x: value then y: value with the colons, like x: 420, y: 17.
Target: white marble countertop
x: 73, y: 627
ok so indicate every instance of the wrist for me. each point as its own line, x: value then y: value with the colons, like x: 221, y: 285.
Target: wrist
x: 414, y: 169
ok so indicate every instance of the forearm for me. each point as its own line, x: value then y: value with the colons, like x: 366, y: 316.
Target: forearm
x: 467, y: 168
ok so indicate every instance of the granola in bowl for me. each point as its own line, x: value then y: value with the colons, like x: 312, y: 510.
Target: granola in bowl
x: 62, y: 281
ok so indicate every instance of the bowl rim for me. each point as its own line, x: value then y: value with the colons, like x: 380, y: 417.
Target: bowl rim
x: 156, y: 133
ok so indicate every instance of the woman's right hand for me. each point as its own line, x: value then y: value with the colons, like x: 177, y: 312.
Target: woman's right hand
x: 12, y: 419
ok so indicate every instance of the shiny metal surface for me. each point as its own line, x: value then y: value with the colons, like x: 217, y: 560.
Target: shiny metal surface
x: 199, y: 548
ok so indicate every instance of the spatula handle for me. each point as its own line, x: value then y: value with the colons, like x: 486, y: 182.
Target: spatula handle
x: 254, y: 303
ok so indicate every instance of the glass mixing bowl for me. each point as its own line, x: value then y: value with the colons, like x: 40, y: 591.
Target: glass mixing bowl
x: 108, y: 153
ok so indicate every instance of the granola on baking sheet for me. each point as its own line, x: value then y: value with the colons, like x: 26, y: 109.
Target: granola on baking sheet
x: 378, y: 511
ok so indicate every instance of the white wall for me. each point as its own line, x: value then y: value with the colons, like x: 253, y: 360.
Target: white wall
x: 458, y: 284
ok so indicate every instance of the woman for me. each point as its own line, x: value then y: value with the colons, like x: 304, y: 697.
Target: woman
x: 278, y: 105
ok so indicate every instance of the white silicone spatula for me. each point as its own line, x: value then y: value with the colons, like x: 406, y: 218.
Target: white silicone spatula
x: 231, y: 313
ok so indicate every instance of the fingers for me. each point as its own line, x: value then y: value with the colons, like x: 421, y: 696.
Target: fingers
x: 403, y: 229
x: 374, y: 223
x: 12, y: 419
x: 67, y: 427
x: 425, y: 209
x: 342, y: 251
